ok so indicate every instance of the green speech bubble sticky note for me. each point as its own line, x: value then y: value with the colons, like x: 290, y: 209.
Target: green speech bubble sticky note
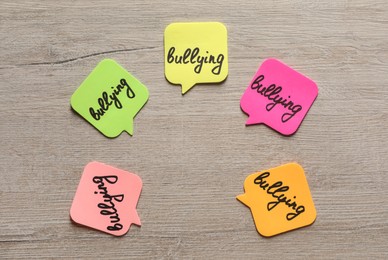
x: 109, y: 98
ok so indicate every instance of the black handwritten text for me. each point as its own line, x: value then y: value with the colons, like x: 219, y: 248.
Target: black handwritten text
x: 192, y: 56
x: 106, y: 100
x: 272, y: 93
x: 108, y: 206
x: 277, y: 191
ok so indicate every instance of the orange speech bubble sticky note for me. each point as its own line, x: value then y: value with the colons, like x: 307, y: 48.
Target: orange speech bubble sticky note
x: 279, y: 199
x: 106, y: 199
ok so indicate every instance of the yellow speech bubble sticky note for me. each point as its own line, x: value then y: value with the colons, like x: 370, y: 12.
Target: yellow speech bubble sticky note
x: 195, y: 53
x: 279, y: 199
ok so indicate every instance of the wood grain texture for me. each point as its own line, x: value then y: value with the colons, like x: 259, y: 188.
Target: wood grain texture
x: 193, y: 152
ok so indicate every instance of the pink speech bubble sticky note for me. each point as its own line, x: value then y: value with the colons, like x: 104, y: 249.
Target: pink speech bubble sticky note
x: 106, y: 199
x: 279, y: 97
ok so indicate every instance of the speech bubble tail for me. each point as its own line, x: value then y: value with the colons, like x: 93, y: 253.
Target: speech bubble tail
x: 186, y: 88
x: 243, y: 198
x: 129, y: 129
x: 136, y: 218
x: 251, y: 121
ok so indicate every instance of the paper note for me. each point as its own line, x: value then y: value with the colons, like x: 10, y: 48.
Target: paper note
x: 279, y: 199
x: 195, y: 53
x: 279, y: 97
x: 109, y: 98
x: 106, y: 199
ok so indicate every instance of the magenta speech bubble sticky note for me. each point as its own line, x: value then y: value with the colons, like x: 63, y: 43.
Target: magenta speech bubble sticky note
x: 106, y: 199
x: 279, y: 97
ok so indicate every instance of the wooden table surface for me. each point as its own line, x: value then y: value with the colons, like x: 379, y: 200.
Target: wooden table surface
x: 193, y: 152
